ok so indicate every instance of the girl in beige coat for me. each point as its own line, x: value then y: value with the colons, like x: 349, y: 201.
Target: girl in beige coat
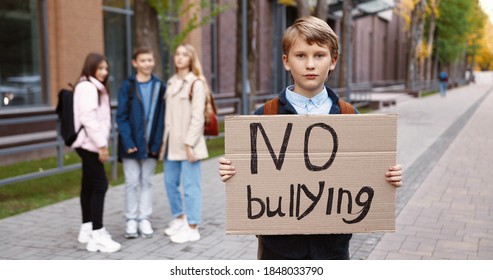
x: 184, y: 144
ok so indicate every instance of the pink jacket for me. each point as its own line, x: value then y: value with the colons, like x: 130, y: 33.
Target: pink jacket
x: 95, y: 117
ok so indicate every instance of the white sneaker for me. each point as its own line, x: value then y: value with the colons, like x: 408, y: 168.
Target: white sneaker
x: 186, y: 234
x: 175, y: 225
x: 131, y: 229
x: 145, y: 229
x: 101, y: 241
x: 85, y: 232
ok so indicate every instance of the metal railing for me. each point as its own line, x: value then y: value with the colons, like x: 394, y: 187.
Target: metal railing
x: 58, y: 144
x: 228, y: 105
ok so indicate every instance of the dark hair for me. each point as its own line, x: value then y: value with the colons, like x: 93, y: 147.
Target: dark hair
x: 91, y: 65
x: 140, y: 50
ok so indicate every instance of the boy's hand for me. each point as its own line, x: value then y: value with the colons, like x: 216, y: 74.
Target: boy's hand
x: 394, y: 175
x: 226, y: 170
x: 132, y: 150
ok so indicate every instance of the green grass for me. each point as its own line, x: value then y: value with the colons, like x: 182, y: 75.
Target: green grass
x: 428, y: 93
x: 20, y: 197
x: 365, y: 110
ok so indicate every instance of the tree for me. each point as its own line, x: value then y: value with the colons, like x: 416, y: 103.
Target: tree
x: 484, y: 56
x: 433, y: 14
x: 147, y: 31
x: 476, y: 20
x: 413, y: 12
x: 304, y: 8
x: 170, y: 13
x: 452, y: 28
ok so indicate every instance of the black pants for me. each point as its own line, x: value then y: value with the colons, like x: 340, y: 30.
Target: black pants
x: 93, y: 188
x: 263, y: 253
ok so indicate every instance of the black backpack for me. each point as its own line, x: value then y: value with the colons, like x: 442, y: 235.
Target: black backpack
x: 65, y: 112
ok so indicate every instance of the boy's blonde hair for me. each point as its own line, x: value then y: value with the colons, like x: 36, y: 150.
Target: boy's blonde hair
x: 312, y: 30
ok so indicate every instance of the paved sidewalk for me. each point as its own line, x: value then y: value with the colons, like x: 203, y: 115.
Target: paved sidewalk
x: 450, y: 216
x: 444, y: 210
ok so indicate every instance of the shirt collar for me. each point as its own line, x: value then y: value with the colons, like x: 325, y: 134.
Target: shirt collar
x: 302, y: 101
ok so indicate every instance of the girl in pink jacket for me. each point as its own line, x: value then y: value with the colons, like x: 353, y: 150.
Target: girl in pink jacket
x: 92, y: 112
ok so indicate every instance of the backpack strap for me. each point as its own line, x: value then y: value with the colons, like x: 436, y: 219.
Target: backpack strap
x: 271, y: 107
x: 191, y: 90
x: 346, y: 107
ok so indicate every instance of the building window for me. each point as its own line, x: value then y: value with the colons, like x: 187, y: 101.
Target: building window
x: 22, y: 54
x: 118, y: 41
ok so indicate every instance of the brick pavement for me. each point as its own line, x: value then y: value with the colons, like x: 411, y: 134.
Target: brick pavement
x: 443, y: 210
x: 450, y: 216
x: 426, y: 129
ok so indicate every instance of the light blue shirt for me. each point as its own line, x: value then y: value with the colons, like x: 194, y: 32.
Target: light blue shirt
x: 145, y: 92
x: 319, y: 104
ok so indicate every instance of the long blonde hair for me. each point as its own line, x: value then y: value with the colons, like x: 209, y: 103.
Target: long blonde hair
x: 195, y: 65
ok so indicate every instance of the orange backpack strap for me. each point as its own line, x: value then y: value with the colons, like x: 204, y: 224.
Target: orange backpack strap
x: 346, y: 108
x: 271, y: 107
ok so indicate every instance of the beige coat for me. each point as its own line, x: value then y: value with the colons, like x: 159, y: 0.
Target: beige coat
x: 184, y: 119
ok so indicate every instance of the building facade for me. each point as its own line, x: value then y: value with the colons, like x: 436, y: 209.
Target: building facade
x: 43, y: 44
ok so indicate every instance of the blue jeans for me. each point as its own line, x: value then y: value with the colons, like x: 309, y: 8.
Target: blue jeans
x: 190, y: 174
x: 138, y: 206
x: 443, y: 88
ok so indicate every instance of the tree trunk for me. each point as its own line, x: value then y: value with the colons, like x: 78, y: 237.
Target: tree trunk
x: 322, y: 9
x: 345, y: 44
x: 147, y: 32
x: 415, y: 33
x: 302, y: 7
x: 431, y: 37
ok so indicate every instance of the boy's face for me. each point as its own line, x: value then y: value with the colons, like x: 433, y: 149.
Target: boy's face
x: 309, y: 66
x: 144, y: 63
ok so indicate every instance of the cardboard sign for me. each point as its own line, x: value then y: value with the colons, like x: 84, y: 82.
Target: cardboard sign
x: 310, y: 174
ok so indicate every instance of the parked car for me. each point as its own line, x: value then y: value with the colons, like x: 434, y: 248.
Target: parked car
x: 21, y: 90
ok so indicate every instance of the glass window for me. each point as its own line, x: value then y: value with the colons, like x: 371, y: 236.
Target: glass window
x: 118, y: 41
x: 21, y: 48
x: 116, y: 49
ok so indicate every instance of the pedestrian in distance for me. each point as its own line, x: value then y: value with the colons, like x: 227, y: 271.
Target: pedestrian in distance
x: 184, y: 144
x: 140, y: 118
x: 310, y: 52
x: 443, y: 79
x: 92, y: 112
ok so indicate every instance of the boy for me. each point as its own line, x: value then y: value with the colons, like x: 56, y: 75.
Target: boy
x: 310, y: 50
x: 140, y: 119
